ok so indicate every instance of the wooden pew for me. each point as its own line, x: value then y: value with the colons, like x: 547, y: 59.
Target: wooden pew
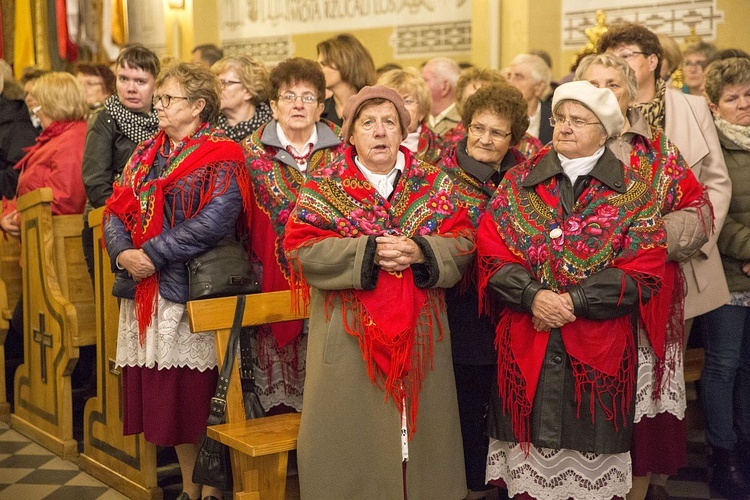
x: 693, y: 364
x: 58, y: 318
x: 259, y: 447
x: 10, y: 292
x: 126, y: 463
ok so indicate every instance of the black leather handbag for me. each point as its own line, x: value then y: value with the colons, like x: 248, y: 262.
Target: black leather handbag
x: 222, y: 271
x: 212, y: 466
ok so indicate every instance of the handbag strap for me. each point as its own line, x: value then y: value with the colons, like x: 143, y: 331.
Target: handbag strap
x: 219, y: 401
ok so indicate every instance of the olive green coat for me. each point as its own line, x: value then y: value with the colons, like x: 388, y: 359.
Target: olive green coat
x: 349, y: 444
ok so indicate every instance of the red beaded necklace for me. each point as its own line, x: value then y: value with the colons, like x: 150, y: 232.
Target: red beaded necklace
x: 300, y: 159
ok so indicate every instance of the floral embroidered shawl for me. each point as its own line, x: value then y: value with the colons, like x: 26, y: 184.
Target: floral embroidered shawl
x: 337, y: 201
x: 604, y: 229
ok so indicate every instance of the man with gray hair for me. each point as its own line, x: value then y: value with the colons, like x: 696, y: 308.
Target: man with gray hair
x: 531, y: 75
x: 441, y: 75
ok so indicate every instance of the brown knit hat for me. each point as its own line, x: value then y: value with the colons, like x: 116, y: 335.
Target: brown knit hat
x: 355, y: 102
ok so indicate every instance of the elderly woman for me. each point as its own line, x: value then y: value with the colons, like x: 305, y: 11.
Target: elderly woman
x: 470, y: 81
x: 181, y: 192
x: 277, y: 155
x: 660, y: 434
x: 244, y: 95
x: 98, y: 83
x: 573, y: 246
x: 348, y: 66
x: 496, y: 118
x: 725, y: 382
x: 421, y: 141
x: 372, y: 229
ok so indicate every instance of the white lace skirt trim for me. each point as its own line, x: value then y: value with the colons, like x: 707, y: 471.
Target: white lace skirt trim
x: 169, y: 342
x: 672, y: 398
x: 277, y: 389
x: 559, y: 474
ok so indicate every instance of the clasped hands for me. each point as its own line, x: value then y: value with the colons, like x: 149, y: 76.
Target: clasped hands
x: 136, y: 263
x: 551, y: 310
x: 396, y: 253
x: 11, y: 224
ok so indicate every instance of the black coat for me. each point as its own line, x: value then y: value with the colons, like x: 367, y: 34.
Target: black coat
x: 556, y: 421
x: 106, y: 152
x: 16, y: 133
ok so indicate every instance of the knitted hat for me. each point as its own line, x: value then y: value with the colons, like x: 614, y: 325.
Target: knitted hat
x: 602, y: 102
x: 355, y: 102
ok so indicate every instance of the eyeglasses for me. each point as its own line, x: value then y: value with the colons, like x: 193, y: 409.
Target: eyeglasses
x: 410, y: 102
x: 226, y: 83
x: 697, y: 64
x: 165, y: 99
x: 291, y: 98
x: 495, y: 135
x: 574, y: 123
x: 627, y: 54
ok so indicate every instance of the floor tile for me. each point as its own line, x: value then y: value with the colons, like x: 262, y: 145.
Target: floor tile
x: 112, y: 495
x: 13, y: 475
x: 35, y: 449
x: 27, y: 491
x: 83, y: 479
x: 60, y: 464
x: 26, y: 461
x: 77, y: 493
x: 42, y: 476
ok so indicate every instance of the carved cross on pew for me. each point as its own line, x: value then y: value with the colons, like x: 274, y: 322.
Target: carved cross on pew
x: 45, y: 340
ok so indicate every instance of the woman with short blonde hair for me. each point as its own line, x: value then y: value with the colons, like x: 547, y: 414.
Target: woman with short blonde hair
x: 245, y: 90
x: 61, y: 97
x: 421, y: 141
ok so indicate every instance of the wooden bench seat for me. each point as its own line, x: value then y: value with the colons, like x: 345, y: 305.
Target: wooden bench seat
x: 126, y: 463
x: 693, y: 364
x: 259, y: 447
x: 10, y: 292
x: 59, y: 317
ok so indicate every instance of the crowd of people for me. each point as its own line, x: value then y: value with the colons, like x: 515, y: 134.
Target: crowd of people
x: 501, y: 271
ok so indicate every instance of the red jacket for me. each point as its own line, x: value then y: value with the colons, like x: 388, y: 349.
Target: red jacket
x: 55, y: 161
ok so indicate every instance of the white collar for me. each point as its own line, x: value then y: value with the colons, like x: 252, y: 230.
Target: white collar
x: 383, y: 183
x: 313, y: 139
x: 412, y: 140
x: 577, y: 167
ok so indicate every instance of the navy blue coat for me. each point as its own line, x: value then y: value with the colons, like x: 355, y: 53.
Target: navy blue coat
x: 175, y: 246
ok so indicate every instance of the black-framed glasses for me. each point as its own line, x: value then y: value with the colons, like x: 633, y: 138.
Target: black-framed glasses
x: 627, y: 54
x: 574, y: 123
x: 165, y: 99
x: 226, y: 83
x: 291, y: 98
x: 496, y: 135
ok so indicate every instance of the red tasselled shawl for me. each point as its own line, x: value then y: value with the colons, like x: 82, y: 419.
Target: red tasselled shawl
x: 605, y: 229
x: 338, y: 202
x: 201, y: 167
x: 658, y: 161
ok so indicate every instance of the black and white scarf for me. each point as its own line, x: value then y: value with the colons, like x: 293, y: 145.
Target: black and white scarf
x: 262, y: 115
x: 135, y: 126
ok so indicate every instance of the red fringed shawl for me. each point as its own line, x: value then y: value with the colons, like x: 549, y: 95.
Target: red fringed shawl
x: 200, y: 168
x: 337, y: 201
x: 605, y: 229
x: 676, y: 188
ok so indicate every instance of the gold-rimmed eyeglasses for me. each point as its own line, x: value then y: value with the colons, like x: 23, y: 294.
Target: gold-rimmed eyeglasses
x: 574, y: 123
x: 496, y: 135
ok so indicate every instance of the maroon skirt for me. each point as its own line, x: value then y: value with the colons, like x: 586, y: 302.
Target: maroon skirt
x: 659, y: 445
x: 168, y: 406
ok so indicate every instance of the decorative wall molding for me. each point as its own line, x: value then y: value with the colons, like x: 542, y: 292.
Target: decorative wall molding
x: 431, y: 40
x: 256, y: 18
x: 675, y: 18
x: 267, y: 49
